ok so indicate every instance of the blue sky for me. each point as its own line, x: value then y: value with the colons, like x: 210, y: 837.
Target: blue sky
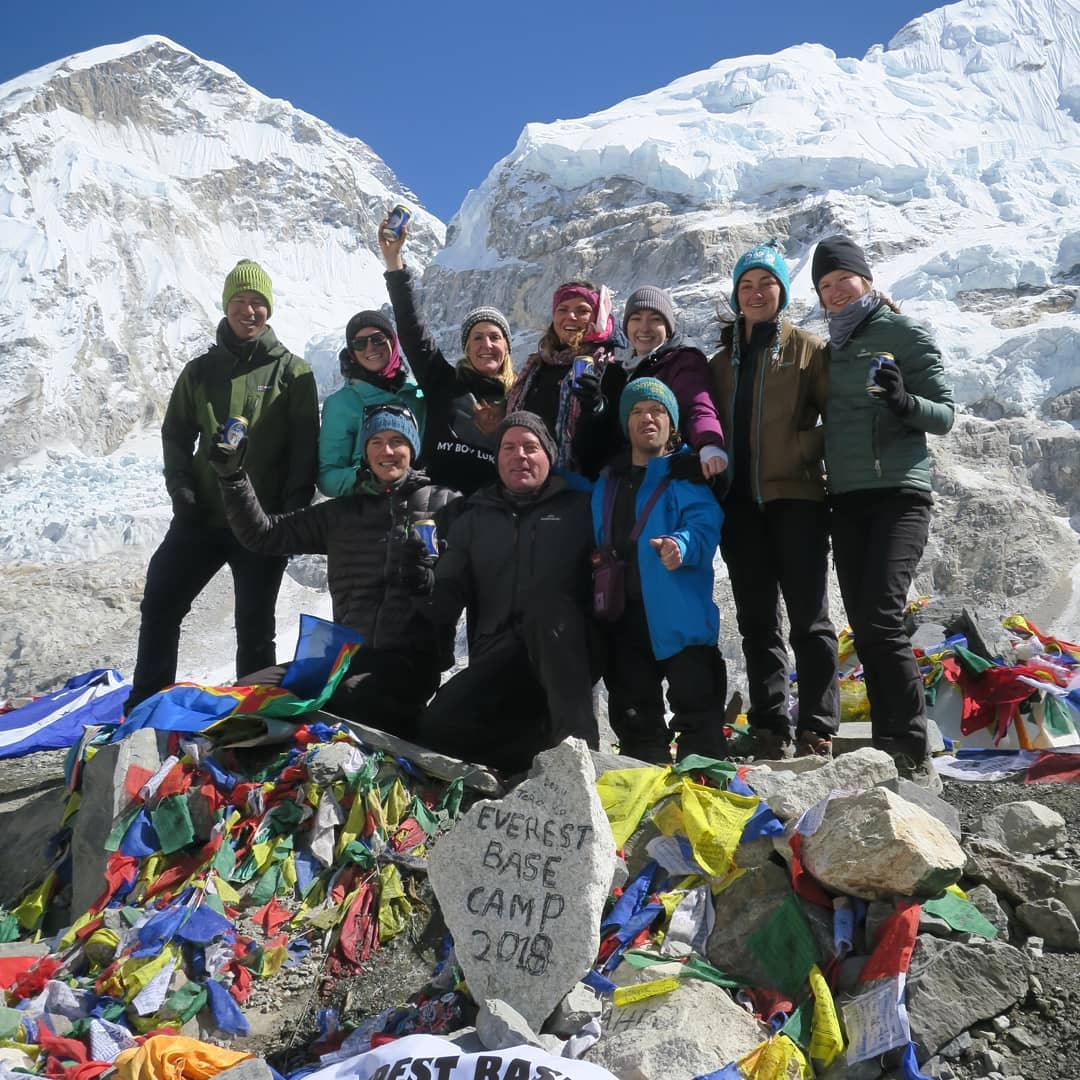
x: 441, y: 93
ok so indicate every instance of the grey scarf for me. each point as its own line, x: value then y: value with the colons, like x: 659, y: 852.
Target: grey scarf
x: 851, y: 316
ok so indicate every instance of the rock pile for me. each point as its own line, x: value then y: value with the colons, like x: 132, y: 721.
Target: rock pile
x: 817, y: 917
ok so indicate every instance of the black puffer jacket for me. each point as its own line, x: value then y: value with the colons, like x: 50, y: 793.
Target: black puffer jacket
x: 502, y: 554
x: 363, y: 536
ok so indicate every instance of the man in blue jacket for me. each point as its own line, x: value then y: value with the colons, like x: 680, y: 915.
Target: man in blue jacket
x: 663, y: 523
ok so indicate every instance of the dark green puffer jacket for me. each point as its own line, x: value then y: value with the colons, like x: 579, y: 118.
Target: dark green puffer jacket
x: 270, y: 386
x: 866, y: 445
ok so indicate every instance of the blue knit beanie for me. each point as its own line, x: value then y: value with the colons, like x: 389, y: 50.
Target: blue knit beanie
x: 762, y: 257
x: 647, y: 389
x: 390, y: 417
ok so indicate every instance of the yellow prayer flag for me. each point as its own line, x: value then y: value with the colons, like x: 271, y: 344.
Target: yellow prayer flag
x: 714, y: 824
x: 31, y: 911
x: 627, y: 995
x: 626, y: 794
x: 397, y: 802
x: 826, y: 1039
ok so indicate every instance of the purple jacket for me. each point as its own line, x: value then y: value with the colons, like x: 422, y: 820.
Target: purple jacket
x: 686, y: 371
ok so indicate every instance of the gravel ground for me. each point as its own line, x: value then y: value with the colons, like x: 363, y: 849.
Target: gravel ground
x: 1042, y: 1041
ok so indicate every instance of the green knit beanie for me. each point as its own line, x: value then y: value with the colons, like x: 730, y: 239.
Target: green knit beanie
x: 248, y: 275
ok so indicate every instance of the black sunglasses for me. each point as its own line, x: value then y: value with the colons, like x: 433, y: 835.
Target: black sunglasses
x: 389, y: 407
x: 360, y: 344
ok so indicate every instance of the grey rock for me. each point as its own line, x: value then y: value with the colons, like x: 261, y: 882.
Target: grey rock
x: 104, y: 799
x: 621, y: 874
x: 991, y: 1060
x: 937, y: 1069
x: 1052, y: 921
x: 327, y: 761
x: 24, y: 948
x: 877, y: 912
x: 1020, y: 1038
x: 742, y: 909
x: 931, y: 803
x: 984, y: 899
x: 861, y: 1070
x: 790, y: 794
x: 932, y: 924
x: 1024, y: 827
x: 875, y: 845
x: 940, y: 1001
x: 27, y: 829
x: 522, y: 884
x: 441, y: 766
x: 466, y: 1040
x: 1017, y: 880
x: 574, y: 1011
x: 251, y: 1069
x: 499, y: 1025
x: 1000, y: 1024
x: 955, y: 1049
x: 1069, y: 895
x: 687, y: 1033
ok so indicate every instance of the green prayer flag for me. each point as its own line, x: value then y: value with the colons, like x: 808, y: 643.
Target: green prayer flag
x: 961, y: 915
x: 224, y: 860
x: 120, y: 828
x: 186, y: 1001
x: 720, y: 771
x: 172, y: 823
x: 268, y: 885
x: 424, y: 817
x: 800, y: 1025
x: 1056, y: 718
x: 785, y: 946
x: 696, y: 968
x: 9, y: 928
x: 971, y: 662
x: 451, y: 801
x: 9, y: 1022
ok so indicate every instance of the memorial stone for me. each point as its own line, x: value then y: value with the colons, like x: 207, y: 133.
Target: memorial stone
x: 522, y: 883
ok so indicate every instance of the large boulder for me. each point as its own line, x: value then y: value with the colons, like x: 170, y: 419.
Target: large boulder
x: 1024, y: 828
x: 522, y: 882
x: 875, y: 845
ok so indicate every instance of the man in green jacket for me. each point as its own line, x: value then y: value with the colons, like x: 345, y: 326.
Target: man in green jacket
x: 247, y: 373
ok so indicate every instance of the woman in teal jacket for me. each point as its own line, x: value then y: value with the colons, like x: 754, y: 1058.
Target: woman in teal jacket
x: 670, y: 624
x: 375, y: 374
x: 887, y: 391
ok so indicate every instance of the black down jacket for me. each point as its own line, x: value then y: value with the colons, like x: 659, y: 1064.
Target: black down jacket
x: 503, y: 554
x: 363, y: 536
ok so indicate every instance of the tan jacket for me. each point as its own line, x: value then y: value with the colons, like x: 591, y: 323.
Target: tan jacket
x: 787, y: 442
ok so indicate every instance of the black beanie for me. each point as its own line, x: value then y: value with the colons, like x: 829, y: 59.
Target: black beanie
x: 531, y: 422
x: 839, y: 253
x: 375, y: 319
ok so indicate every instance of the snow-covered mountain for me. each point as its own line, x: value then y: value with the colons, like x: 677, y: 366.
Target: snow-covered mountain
x: 952, y: 154
x: 132, y: 178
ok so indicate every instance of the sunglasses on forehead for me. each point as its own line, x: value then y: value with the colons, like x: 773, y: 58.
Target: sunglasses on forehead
x: 388, y: 407
x: 360, y: 344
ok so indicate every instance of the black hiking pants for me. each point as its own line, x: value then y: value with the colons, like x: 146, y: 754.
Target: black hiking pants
x: 878, y: 540
x: 189, y: 556
x: 779, y: 549
x: 522, y: 696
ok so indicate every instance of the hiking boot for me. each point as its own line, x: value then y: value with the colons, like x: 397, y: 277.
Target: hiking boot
x: 919, y: 771
x: 813, y: 744
x: 763, y: 744
x: 707, y: 744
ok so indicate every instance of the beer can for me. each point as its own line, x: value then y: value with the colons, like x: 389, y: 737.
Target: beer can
x: 234, y: 430
x: 425, y: 531
x: 875, y: 363
x: 583, y: 365
x: 400, y: 216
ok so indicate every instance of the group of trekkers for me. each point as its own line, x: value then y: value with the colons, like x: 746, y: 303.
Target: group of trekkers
x: 572, y: 509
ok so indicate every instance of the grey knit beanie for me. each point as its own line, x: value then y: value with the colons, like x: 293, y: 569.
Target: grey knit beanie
x: 651, y: 298
x: 531, y: 422
x: 485, y: 314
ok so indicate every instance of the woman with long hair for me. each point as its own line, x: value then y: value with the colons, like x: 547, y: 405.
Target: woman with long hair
x: 887, y: 391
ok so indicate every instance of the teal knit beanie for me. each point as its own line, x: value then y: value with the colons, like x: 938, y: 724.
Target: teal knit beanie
x: 762, y: 257
x: 647, y: 389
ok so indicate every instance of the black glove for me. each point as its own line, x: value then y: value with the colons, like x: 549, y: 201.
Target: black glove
x: 587, y: 390
x: 898, y: 400
x: 225, y: 459
x: 184, y: 507
x: 416, y: 571
x: 686, y: 467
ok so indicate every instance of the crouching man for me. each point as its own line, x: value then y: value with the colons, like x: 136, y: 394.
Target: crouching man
x: 376, y: 566
x: 517, y: 560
